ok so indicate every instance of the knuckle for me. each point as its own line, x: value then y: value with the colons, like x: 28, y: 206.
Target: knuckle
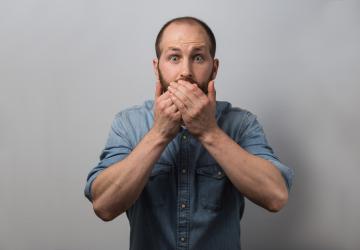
x: 196, y: 113
x: 174, y: 118
x: 186, y: 101
x: 158, y: 102
x: 162, y: 107
x: 206, y: 102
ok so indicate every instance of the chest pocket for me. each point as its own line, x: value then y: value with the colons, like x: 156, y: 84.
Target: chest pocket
x: 212, y: 183
x: 157, y: 190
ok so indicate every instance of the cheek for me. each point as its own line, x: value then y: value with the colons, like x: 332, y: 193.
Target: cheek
x: 204, y: 72
x: 169, y: 72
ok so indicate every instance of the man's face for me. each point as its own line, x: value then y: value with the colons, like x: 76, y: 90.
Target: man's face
x: 185, y: 55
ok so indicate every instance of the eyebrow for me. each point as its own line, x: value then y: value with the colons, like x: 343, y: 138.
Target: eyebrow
x: 173, y: 49
x: 197, y: 48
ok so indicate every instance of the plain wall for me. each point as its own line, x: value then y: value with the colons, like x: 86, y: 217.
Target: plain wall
x: 67, y: 67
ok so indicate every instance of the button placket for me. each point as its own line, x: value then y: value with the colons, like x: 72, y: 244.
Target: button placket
x: 183, y: 194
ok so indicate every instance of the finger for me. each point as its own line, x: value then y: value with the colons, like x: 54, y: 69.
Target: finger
x: 163, y: 96
x: 172, y: 109
x: 178, y: 103
x: 168, y: 102
x: 187, y: 85
x: 158, y: 90
x: 183, y: 94
x: 194, y: 91
x: 193, y: 87
x: 212, y: 91
x: 177, y: 115
x: 164, y: 101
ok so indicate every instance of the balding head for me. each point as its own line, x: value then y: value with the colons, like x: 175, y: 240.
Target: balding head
x: 190, y: 21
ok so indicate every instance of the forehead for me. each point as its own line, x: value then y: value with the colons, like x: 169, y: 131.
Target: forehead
x: 184, y: 35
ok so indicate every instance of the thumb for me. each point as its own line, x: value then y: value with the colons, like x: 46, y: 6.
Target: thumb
x: 211, y: 91
x: 158, y: 90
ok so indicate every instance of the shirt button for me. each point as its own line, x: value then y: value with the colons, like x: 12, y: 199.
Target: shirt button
x: 182, y: 239
x: 219, y: 173
x: 184, y: 137
x: 183, y: 171
x: 183, y: 205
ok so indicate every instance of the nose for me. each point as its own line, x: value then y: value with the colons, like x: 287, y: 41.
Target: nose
x: 186, y: 71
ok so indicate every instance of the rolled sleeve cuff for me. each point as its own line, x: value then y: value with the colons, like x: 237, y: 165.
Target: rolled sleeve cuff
x: 105, y: 163
x: 286, y: 172
x: 88, y: 185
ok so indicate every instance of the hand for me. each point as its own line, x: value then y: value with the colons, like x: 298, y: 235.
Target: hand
x: 197, y: 109
x: 167, y: 117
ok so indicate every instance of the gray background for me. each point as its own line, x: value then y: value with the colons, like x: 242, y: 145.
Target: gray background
x: 66, y: 68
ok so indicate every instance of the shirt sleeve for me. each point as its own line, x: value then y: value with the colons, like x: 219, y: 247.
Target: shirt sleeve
x: 254, y: 141
x: 117, y: 147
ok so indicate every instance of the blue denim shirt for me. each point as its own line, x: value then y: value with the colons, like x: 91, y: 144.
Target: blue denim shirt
x: 188, y: 202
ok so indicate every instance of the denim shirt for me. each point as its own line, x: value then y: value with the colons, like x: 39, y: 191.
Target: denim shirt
x: 188, y: 202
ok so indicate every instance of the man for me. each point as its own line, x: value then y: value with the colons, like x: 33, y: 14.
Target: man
x: 181, y: 165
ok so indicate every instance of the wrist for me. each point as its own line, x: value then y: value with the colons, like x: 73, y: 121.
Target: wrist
x: 210, y: 136
x: 159, y: 137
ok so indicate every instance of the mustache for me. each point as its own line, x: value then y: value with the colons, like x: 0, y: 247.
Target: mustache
x: 192, y: 81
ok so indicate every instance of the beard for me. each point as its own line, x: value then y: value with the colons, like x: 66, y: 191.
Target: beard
x: 203, y: 85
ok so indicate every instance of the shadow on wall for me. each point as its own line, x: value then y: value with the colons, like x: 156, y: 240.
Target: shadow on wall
x: 283, y: 230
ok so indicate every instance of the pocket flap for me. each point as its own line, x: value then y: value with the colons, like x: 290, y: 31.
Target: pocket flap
x: 160, y: 168
x: 211, y: 171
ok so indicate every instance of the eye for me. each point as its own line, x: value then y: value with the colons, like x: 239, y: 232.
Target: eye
x: 174, y: 58
x: 198, y: 58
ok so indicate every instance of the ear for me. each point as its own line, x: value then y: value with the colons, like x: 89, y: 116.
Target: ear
x: 155, y: 68
x: 215, y: 68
